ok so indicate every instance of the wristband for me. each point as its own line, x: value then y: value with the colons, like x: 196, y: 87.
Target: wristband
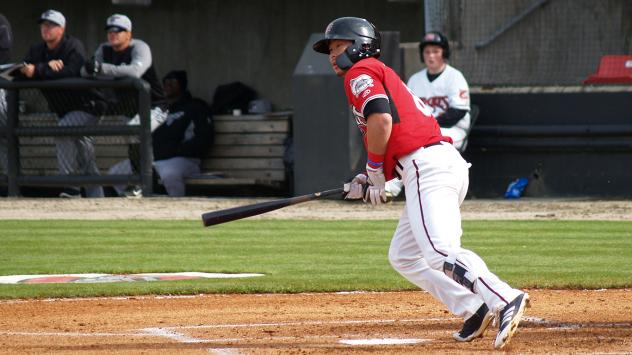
x: 375, y: 160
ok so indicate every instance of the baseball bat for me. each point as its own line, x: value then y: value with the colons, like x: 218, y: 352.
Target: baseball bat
x: 234, y: 213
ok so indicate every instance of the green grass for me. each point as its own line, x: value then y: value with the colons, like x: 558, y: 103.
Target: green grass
x: 299, y: 256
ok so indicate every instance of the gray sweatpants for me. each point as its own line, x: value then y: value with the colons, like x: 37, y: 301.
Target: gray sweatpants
x: 171, y: 171
x: 75, y: 155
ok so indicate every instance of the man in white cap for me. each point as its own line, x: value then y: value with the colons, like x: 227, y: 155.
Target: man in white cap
x: 123, y: 56
x: 62, y: 56
x: 59, y: 55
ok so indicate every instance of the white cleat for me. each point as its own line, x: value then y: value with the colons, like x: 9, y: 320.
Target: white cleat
x: 509, y: 318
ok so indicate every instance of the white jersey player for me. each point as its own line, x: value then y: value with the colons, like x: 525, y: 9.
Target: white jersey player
x: 444, y: 89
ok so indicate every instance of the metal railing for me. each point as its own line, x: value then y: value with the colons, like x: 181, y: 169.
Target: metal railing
x: 14, y: 131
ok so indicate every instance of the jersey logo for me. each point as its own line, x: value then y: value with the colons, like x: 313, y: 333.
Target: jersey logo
x: 440, y: 102
x: 366, y: 93
x: 463, y: 94
x: 360, y: 120
x: 360, y: 83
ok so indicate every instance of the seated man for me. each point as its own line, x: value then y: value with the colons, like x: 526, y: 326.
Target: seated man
x: 445, y: 90
x: 180, y: 142
x: 61, y: 56
x: 184, y: 137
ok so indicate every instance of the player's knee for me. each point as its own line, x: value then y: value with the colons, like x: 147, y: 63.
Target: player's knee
x: 397, y: 261
x: 459, y: 272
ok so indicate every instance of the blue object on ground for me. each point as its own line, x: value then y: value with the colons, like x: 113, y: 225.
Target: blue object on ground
x: 516, y: 187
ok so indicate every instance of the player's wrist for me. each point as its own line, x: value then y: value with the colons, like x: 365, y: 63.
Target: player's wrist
x: 375, y: 161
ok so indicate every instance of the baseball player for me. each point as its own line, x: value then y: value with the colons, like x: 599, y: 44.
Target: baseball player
x: 402, y: 138
x: 59, y: 56
x: 444, y: 89
x: 120, y: 57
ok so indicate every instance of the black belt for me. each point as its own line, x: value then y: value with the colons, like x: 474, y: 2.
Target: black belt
x: 398, y: 165
x: 431, y: 144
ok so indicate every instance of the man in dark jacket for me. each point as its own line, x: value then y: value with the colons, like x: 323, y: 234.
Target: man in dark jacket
x: 61, y: 56
x: 180, y: 142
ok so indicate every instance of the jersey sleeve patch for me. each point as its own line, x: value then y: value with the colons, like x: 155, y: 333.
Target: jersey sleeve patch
x: 360, y: 83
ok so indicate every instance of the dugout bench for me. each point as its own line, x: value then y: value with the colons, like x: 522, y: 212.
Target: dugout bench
x: 248, y: 151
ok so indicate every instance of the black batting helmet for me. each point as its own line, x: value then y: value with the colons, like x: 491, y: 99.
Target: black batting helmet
x: 364, y: 35
x: 438, y: 39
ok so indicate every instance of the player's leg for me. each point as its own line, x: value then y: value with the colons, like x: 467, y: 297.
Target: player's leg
x: 86, y: 156
x: 433, y: 201
x: 406, y: 257
x: 67, y: 150
x: 173, y: 171
x: 123, y: 167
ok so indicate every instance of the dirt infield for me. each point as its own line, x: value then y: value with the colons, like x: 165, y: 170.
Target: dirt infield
x: 558, y: 322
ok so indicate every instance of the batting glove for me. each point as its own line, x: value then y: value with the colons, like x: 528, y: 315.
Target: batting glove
x: 93, y: 66
x: 376, y: 180
x: 354, y: 190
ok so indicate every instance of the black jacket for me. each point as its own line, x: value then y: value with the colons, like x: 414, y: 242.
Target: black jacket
x: 70, y: 50
x: 187, y: 132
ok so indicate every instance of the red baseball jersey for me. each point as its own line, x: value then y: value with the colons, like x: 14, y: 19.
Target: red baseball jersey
x: 413, y: 124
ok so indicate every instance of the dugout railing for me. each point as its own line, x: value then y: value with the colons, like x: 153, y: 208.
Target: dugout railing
x: 31, y: 129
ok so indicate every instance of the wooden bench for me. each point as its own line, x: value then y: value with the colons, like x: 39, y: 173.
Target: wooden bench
x: 247, y: 150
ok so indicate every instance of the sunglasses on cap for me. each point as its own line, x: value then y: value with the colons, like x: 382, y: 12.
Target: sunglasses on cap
x: 115, y: 29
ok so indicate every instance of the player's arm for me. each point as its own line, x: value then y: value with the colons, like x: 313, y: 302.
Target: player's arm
x: 451, y: 117
x: 379, y: 124
x: 458, y: 103
x: 141, y: 61
x: 379, y: 127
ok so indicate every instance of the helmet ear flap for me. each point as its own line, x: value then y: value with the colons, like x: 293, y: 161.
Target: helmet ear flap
x: 343, y: 61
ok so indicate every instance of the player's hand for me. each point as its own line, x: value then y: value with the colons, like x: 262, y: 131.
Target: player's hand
x: 375, y: 193
x: 56, y: 64
x: 28, y: 70
x: 92, y: 66
x: 354, y: 190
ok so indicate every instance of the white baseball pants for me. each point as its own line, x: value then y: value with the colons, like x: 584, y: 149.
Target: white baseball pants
x: 428, y: 236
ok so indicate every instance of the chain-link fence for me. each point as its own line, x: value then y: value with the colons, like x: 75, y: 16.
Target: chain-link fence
x: 69, y: 133
x: 531, y: 42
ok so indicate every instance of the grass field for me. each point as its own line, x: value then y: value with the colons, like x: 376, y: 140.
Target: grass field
x: 298, y: 256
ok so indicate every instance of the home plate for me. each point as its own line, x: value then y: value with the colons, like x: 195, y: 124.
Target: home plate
x: 383, y: 341
x: 103, y: 278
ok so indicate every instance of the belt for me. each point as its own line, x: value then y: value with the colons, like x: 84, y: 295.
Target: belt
x: 432, y: 144
x: 399, y: 169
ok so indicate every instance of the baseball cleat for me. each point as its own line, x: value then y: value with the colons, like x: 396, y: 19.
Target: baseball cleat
x: 509, y: 318
x: 475, y: 326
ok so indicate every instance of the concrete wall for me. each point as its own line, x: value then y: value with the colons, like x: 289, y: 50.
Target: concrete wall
x: 218, y: 41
